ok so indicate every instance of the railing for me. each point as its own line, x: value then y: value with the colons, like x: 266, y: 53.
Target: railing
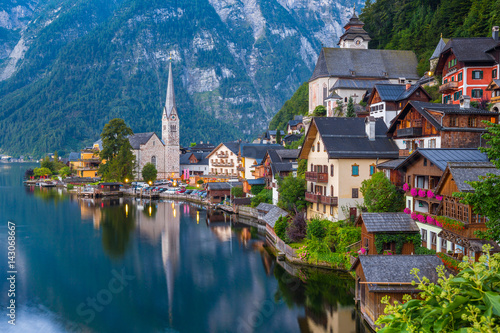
x: 448, y: 87
x: 312, y: 197
x: 317, y: 177
x: 411, y: 131
x: 327, y: 200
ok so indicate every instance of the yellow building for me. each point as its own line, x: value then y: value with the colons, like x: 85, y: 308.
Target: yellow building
x: 340, y: 154
x: 88, y: 163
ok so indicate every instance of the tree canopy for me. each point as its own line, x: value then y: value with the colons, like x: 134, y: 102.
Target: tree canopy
x: 114, y: 135
x: 149, y: 172
x: 381, y: 195
x: 319, y: 111
x: 292, y: 193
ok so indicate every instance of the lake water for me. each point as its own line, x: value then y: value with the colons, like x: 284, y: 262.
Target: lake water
x: 125, y: 265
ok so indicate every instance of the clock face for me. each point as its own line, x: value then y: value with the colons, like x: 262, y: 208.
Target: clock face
x: 358, y: 41
x: 172, y: 117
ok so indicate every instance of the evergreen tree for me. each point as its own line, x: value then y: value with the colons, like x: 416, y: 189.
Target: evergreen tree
x: 114, y: 135
x: 350, y: 109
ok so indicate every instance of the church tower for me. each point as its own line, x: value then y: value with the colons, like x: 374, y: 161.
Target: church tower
x: 170, y: 130
x: 354, y: 37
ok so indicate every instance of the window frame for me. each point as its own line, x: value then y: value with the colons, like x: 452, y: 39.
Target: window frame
x: 477, y: 71
x: 357, y: 170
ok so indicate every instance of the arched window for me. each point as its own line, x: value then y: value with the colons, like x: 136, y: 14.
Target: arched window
x: 331, y: 170
x: 153, y: 160
x: 318, y: 147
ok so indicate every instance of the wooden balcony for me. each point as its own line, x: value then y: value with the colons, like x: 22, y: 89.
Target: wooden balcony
x: 408, y: 132
x: 448, y: 87
x: 312, y: 197
x: 317, y: 177
x: 327, y: 200
x: 495, y: 99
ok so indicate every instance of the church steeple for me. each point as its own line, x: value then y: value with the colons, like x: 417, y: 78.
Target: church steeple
x: 170, y: 128
x: 170, y: 100
x: 354, y: 36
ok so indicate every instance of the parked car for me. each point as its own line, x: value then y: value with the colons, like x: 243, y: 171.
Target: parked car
x: 181, y: 191
x: 188, y: 192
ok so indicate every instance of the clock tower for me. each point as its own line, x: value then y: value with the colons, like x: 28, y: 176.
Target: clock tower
x: 354, y: 37
x: 170, y: 130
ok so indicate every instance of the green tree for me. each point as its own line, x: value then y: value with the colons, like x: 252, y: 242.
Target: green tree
x: 296, y: 144
x: 47, y: 163
x: 350, y: 109
x: 381, y: 195
x: 39, y: 172
x: 65, y: 171
x: 302, y: 168
x: 121, y: 166
x: 237, y: 192
x: 192, y: 144
x: 114, y: 136
x: 319, y: 111
x: 292, y: 193
x: 265, y: 196
x: 278, y: 137
x: 486, y: 195
x: 200, y: 181
x: 149, y: 172
x: 467, y: 302
x: 280, y: 228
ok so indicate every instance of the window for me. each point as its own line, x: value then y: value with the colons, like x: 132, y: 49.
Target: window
x: 153, y: 160
x: 313, y: 148
x: 331, y: 210
x: 324, y: 208
x: 317, y: 207
x: 173, y: 128
x: 477, y: 93
x: 331, y: 190
x: 472, y: 122
x: 420, y: 181
x: 445, y: 81
x: 456, y: 95
x: 372, y: 169
x: 312, y: 167
x: 432, y: 143
x: 325, y: 169
x: 433, y: 238
x: 460, y: 76
x: 355, y: 193
x: 443, y: 243
x: 425, y: 162
x: 424, y: 235
x: 355, y: 170
x: 331, y: 170
x: 454, y: 121
x: 477, y: 75
x: 453, y: 78
x: 494, y: 73
x: 318, y: 147
x: 154, y: 143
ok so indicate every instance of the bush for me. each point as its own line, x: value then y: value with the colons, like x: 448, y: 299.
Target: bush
x: 297, y: 230
x: 424, y: 250
x: 264, y: 196
x: 280, y: 228
x: 316, y: 229
x: 70, y: 186
x: 256, y: 189
x: 237, y: 192
x: 200, y: 181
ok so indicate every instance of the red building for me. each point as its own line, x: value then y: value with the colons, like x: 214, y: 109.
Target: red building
x: 468, y: 65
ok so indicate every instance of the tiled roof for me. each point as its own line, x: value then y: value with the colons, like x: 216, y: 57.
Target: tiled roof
x: 200, y: 156
x: 258, y: 181
x: 138, y: 139
x: 73, y: 156
x: 233, y: 146
x: 264, y: 207
x: 388, y: 222
x: 355, y: 84
x: 396, y: 268
x: 257, y: 150
x: 347, y: 138
x: 471, y: 49
x: 365, y: 63
x: 392, y: 164
x: 471, y: 171
x: 218, y: 186
x: 441, y: 156
x: 273, y: 215
x: 439, y: 48
x: 395, y: 92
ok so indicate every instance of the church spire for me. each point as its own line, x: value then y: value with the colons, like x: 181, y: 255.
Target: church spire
x: 170, y: 100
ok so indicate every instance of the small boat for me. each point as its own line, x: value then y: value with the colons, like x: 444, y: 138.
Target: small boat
x: 48, y: 184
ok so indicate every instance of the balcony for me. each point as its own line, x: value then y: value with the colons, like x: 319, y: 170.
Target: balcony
x: 222, y: 155
x: 495, y: 99
x: 240, y: 168
x: 407, y: 132
x: 327, y: 200
x: 448, y: 87
x: 311, y: 197
x: 317, y: 177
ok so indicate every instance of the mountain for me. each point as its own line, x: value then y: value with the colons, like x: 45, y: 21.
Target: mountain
x: 69, y: 66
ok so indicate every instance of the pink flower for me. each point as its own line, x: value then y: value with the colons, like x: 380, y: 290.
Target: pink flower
x: 430, y: 220
x: 430, y: 194
x: 413, y: 192
x: 439, y: 224
x: 438, y: 197
x: 421, y: 193
x: 420, y: 218
x: 407, y: 210
x: 414, y: 215
x: 362, y: 250
x: 406, y: 187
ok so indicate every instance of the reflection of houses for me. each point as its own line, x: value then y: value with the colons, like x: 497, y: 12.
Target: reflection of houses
x: 375, y: 225
x: 459, y: 233
x: 381, y: 275
x: 335, y: 319
x: 432, y: 125
x: 341, y: 153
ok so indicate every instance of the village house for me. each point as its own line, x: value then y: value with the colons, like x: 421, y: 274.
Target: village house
x: 218, y: 192
x: 378, y: 276
x: 290, y: 138
x: 382, y: 229
x: 353, y: 68
x: 271, y: 137
x: 223, y: 160
x: 387, y: 100
x: 467, y: 66
x: 433, y: 125
x: 295, y: 125
x: 196, y: 162
x: 86, y: 162
x: 341, y: 153
x: 250, y: 156
x: 458, y: 231
x: 494, y: 87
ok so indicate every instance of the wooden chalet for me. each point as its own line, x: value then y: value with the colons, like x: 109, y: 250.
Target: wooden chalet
x: 461, y: 234
x: 432, y: 125
x: 373, y: 224
x: 109, y: 187
x: 379, y: 275
x: 217, y: 192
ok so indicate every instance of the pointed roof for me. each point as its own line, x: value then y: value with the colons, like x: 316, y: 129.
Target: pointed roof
x: 439, y: 47
x: 170, y: 100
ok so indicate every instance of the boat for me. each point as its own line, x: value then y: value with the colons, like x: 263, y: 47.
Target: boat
x: 47, y: 184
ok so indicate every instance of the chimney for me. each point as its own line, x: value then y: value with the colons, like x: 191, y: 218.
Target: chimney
x: 370, y: 128
x: 464, y: 102
x: 408, y: 86
x: 494, y: 32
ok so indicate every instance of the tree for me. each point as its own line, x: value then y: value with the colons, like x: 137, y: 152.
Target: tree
x: 486, y: 195
x: 237, y: 192
x: 302, y: 168
x: 39, y: 172
x: 292, y: 194
x: 381, y: 195
x: 28, y: 173
x: 48, y: 164
x: 114, y: 135
x: 265, y: 196
x: 319, y: 111
x: 278, y: 137
x: 467, y: 302
x: 200, y: 181
x: 149, y: 172
x: 121, y: 166
x: 280, y: 228
x: 350, y: 109
x: 296, y: 231
x: 339, y: 107
x: 65, y: 171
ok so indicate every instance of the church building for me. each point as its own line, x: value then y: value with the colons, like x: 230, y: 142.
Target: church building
x: 163, y: 152
x: 352, y: 68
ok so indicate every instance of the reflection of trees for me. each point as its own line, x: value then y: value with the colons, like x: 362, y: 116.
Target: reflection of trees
x: 117, y: 225
x: 49, y: 194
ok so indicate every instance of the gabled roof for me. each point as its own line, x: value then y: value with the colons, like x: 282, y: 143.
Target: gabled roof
x: 273, y: 215
x: 138, y: 139
x: 365, y: 63
x: 264, y: 207
x: 387, y: 222
x: 396, y: 92
x: 295, y: 121
x: 467, y: 50
x: 233, y: 146
x: 391, y: 165
x: 73, y: 156
x: 347, y: 138
x: 441, y: 156
x: 463, y: 172
x: 396, y: 268
x: 221, y: 186
x: 424, y: 108
x: 439, y: 48
x: 494, y: 84
x: 256, y: 150
x: 202, y: 146
x: 201, y: 156
x: 292, y: 137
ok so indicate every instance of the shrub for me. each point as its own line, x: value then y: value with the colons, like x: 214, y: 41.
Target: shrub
x: 424, y: 250
x: 316, y: 229
x: 297, y: 230
x: 280, y: 228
